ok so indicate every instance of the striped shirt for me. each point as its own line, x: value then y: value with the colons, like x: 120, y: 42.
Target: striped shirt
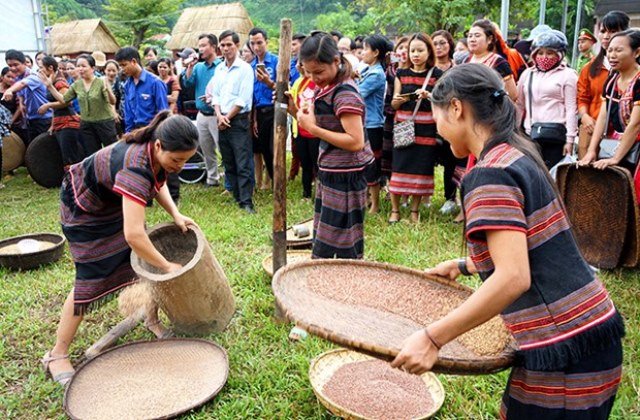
x: 330, y: 104
x: 566, y: 311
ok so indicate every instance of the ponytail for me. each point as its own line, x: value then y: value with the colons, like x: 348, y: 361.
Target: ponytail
x: 146, y: 134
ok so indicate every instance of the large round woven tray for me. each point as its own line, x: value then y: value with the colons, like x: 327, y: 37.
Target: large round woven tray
x: 147, y: 380
x: 292, y: 257
x: 395, y: 308
x: 602, y: 209
x: 26, y: 261
x: 324, y: 366
x: 43, y: 160
x: 12, y: 152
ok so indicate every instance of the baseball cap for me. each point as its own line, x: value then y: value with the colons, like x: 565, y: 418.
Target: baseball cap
x: 187, y: 52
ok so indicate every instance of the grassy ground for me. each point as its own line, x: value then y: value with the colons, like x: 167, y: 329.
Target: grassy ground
x: 268, y: 374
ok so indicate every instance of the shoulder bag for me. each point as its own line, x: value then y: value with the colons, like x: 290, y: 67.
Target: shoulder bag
x: 404, y: 133
x: 608, y: 146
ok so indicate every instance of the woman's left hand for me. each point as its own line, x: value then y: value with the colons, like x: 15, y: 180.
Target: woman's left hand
x: 418, y: 354
x: 183, y: 222
x: 43, y: 109
x: 423, y: 93
x: 568, y: 149
x: 605, y: 163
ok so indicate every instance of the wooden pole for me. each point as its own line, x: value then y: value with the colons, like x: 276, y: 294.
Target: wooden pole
x: 280, y: 149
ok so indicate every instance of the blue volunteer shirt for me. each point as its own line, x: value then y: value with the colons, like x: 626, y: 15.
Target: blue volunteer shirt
x: 143, y: 100
x: 294, y: 74
x: 200, y: 76
x: 35, y: 95
x: 262, y: 95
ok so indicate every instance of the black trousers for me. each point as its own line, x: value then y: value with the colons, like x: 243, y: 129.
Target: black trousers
x: 237, y: 153
x: 308, y: 149
x: 449, y: 163
x: 264, y: 141
x: 36, y: 127
x: 97, y: 134
x: 552, y: 153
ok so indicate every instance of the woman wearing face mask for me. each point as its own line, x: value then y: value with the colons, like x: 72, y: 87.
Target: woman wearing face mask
x: 413, y: 166
x: 397, y: 60
x: 593, y: 76
x: 547, y: 98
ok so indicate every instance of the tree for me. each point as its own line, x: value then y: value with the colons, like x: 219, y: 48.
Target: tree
x: 135, y: 20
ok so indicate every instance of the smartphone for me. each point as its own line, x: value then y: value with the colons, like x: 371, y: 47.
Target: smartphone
x: 410, y: 96
x: 260, y: 66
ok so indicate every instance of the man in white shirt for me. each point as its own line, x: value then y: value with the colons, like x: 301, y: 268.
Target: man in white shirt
x: 231, y: 95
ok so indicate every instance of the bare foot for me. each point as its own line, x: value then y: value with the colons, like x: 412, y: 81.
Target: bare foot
x: 415, y: 216
x: 158, y: 329
x: 374, y: 210
x: 395, y: 216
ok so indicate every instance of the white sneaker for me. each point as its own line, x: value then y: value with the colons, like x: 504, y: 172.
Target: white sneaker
x: 449, y: 207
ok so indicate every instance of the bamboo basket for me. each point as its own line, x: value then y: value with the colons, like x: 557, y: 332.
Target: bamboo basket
x: 27, y: 261
x: 197, y: 298
x: 604, y: 214
x: 158, y: 379
x: 323, y: 367
x: 380, y: 331
x: 292, y: 256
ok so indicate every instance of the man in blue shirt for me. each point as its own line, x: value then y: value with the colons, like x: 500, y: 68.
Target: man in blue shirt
x: 265, y: 66
x: 144, y: 93
x: 32, y: 90
x: 231, y: 91
x: 296, y: 43
x: 199, y: 74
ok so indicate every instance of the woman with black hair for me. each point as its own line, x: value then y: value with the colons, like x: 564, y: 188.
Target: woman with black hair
x: 336, y: 116
x: 593, y: 77
x: 102, y: 208
x: 65, y: 123
x: 567, y: 329
x: 165, y: 73
x: 371, y: 85
x: 96, y: 100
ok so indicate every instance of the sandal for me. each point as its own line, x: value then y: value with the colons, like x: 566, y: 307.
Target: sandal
x: 166, y: 334
x: 297, y: 334
x: 393, y: 222
x: 417, y: 216
x: 61, y: 378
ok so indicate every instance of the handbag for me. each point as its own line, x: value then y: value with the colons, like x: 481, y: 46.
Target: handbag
x: 544, y: 132
x: 404, y: 133
x: 608, y: 146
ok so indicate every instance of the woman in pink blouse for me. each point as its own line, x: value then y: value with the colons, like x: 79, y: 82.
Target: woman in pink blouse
x: 547, y: 98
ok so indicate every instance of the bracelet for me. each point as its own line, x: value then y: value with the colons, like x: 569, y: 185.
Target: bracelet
x: 430, y: 337
x: 462, y: 266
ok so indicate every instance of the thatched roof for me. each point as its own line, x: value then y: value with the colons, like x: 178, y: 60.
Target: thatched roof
x: 209, y: 19
x: 82, y: 36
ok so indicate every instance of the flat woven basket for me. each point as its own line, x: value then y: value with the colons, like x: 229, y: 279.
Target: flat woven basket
x: 19, y: 261
x: 295, y: 242
x: 158, y: 379
x: 323, y: 367
x: 373, y: 307
x: 603, y: 212
x: 292, y: 256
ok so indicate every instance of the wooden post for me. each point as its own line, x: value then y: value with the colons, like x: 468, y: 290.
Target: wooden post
x: 109, y: 339
x: 280, y: 149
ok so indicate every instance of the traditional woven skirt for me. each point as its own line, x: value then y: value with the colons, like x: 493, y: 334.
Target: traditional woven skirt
x: 413, y: 169
x: 338, y: 223
x: 585, y: 390
x: 99, y: 250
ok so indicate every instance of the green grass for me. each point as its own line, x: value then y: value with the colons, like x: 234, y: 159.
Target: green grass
x: 268, y: 374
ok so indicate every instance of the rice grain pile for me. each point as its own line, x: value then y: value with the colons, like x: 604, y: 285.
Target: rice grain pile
x: 15, y: 248
x: 420, y: 301
x: 374, y: 390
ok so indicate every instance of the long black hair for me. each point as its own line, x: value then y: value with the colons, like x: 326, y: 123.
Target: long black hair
x: 614, y: 21
x: 321, y: 47
x: 176, y: 133
x: 483, y: 89
x: 382, y: 45
x: 633, y: 36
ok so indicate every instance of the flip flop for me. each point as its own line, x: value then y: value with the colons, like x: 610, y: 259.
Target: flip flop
x: 62, y: 378
x: 297, y: 334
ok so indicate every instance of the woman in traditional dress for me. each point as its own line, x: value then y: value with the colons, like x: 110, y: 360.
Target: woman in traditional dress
x: 567, y: 328
x: 413, y: 166
x: 102, y: 210
x: 336, y: 117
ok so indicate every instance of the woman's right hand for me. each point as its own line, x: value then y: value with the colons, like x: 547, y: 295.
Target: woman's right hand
x: 588, y: 123
x: 43, y: 109
x: 46, y: 80
x: 448, y: 269
x: 171, y: 267
x: 587, y: 159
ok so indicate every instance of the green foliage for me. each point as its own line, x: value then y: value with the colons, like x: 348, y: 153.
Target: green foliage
x: 66, y: 10
x: 135, y: 20
x: 348, y: 22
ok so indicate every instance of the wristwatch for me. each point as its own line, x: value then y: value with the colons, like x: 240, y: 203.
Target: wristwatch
x: 462, y: 266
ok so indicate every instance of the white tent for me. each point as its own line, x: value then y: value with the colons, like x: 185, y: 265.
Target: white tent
x: 22, y: 28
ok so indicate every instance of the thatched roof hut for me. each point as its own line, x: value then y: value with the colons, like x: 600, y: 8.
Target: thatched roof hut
x: 214, y: 19
x: 82, y: 36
